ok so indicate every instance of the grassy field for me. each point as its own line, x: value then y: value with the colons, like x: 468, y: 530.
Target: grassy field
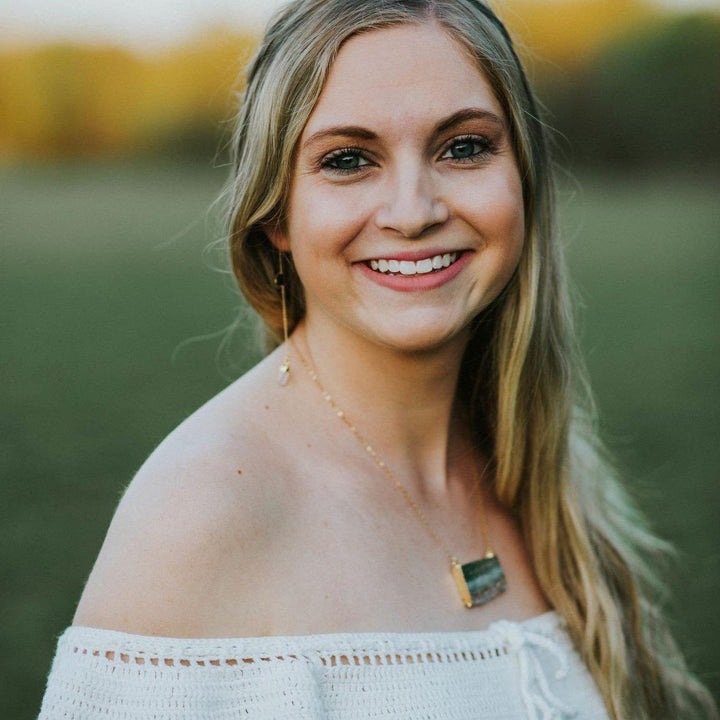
x: 105, y: 276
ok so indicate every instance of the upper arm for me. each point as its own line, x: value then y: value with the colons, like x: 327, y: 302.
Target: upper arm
x: 187, y: 533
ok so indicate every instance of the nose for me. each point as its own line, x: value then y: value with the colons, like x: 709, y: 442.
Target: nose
x: 412, y: 205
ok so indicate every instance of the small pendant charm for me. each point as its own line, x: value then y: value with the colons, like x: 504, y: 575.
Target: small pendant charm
x: 479, y: 581
x: 283, y: 374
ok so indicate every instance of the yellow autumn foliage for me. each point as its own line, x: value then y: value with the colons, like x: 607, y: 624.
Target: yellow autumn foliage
x: 77, y: 100
x: 566, y: 33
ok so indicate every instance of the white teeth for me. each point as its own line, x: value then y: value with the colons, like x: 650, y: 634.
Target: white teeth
x: 407, y: 267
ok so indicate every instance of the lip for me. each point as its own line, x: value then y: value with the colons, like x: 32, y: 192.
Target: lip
x: 415, y: 283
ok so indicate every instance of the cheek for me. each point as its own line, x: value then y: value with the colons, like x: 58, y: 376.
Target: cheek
x: 499, y: 218
x: 325, y: 218
x: 499, y: 214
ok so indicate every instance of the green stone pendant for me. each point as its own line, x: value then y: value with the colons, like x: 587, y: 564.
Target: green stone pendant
x: 479, y: 581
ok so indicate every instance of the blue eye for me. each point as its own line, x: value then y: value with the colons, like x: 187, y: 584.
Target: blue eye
x: 468, y: 149
x: 346, y: 160
x: 463, y: 149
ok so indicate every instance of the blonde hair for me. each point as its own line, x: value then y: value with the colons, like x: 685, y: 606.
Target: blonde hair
x: 531, y: 407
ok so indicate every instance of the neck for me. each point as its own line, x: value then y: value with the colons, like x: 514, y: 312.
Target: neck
x: 403, y: 403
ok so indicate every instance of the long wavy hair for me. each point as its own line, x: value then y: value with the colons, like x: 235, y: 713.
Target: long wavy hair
x: 531, y: 408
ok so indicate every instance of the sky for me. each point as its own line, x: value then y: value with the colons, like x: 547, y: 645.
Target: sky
x: 137, y: 23
x: 144, y: 24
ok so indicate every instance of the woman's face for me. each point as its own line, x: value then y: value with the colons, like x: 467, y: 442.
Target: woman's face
x: 405, y: 214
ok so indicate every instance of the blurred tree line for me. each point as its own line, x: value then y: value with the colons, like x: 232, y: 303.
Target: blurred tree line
x: 625, y: 86
x: 75, y: 100
x: 650, y: 97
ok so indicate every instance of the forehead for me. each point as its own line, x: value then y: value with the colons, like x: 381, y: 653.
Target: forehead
x: 394, y: 76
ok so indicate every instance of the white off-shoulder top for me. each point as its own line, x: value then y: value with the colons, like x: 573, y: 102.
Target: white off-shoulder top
x: 511, y: 671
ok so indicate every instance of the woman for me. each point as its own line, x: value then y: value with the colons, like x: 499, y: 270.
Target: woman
x: 402, y: 510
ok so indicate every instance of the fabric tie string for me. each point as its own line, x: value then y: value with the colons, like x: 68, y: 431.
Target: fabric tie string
x: 540, y: 702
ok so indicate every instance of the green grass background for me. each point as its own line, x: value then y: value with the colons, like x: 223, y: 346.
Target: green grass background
x: 106, y: 274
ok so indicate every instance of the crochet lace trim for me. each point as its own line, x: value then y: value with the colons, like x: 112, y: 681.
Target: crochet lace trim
x: 330, y: 649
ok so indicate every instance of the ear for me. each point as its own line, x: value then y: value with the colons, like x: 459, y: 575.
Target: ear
x: 277, y: 235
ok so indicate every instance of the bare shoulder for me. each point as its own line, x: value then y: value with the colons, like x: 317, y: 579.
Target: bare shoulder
x: 185, y: 550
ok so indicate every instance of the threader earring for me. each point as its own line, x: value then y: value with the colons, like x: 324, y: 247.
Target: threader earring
x: 284, y: 370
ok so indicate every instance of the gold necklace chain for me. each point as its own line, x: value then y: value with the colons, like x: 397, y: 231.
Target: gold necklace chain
x: 386, y: 470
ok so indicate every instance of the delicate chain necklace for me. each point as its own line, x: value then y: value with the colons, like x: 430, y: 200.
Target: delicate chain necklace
x: 478, y: 581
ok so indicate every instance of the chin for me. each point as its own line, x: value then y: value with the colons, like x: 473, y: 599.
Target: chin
x: 420, y: 338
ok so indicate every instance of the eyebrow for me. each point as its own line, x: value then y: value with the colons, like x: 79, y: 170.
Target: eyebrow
x: 357, y: 131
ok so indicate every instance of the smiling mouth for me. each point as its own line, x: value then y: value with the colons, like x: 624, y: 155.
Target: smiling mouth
x: 436, y: 263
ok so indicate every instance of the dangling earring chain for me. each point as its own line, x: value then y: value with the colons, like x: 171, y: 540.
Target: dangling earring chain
x: 284, y: 370
x: 478, y: 581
